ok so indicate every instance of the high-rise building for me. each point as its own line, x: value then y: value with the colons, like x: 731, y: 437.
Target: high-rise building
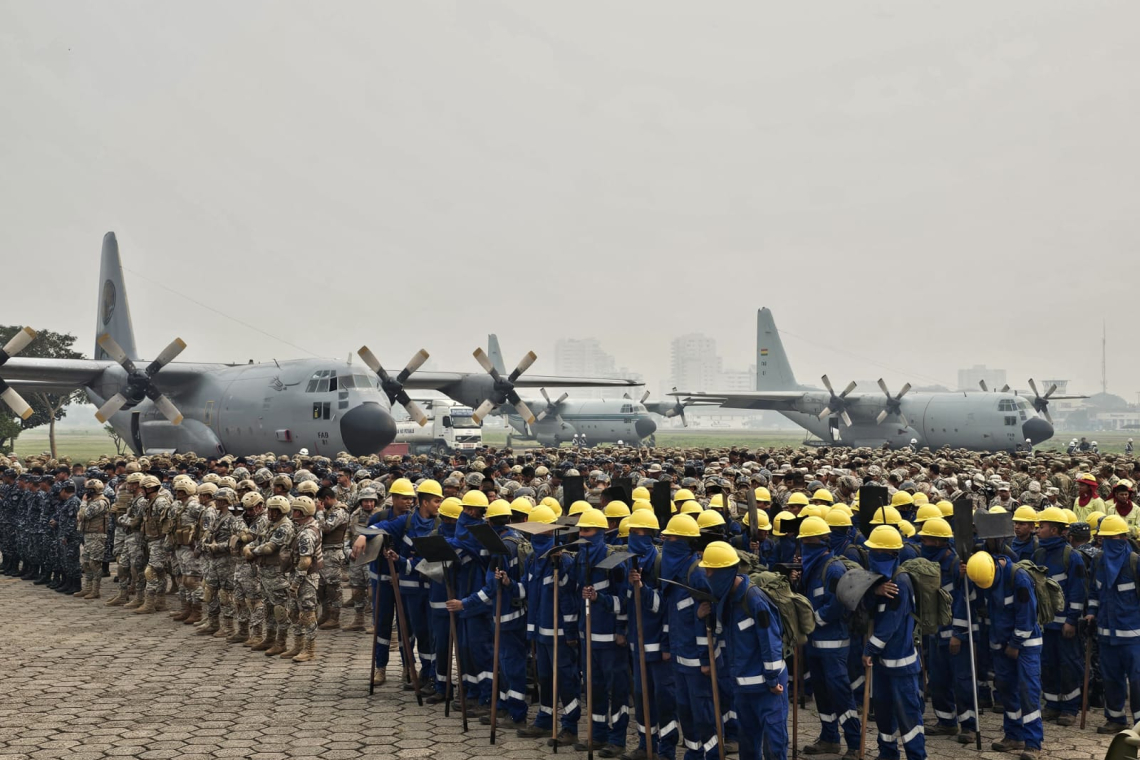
x: 582, y: 357
x: 968, y: 379
x: 737, y: 379
x: 694, y: 361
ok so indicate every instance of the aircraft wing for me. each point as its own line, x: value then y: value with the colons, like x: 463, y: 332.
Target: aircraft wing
x: 64, y: 375
x: 437, y: 381
x: 778, y: 400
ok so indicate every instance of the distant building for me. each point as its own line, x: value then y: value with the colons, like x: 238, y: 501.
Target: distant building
x: 694, y: 362
x: 737, y: 379
x: 582, y: 357
x: 968, y: 379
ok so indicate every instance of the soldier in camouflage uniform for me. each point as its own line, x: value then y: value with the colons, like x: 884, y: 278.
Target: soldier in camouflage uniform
x: 219, y: 580
x: 182, y: 527
x: 134, y: 544
x: 92, y: 522
x: 124, y: 500
x: 247, y: 585
x: 208, y: 518
x: 358, y: 574
x: 271, y: 549
x: 155, y: 521
x: 333, y: 526
x: 305, y: 577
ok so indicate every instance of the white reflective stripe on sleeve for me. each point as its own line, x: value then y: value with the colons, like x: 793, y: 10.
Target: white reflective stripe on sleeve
x: 777, y: 665
x: 688, y: 662
x: 745, y: 624
x: 438, y: 605
x: 1058, y: 577
x: 512, y: 616
x: 1126, y: 634
x: 877, y: 642
x: 1075, y: 606
x: 601, y: 585
x: 1094, y: 603
x: 652, y: 648
x: 483, y: 597
x: 685, y: 603
x: 1008, y: 601
x: 836, y: 644
x: 1022, y: 634
x: 819, y: 621
x: 1130, y: 586
x: 817, y: 591
x: 605, y: 638
x: 1035, y: 642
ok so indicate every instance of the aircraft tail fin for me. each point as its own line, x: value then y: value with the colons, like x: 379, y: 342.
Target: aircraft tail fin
x: 495, y: 354
x: 773, y: 372
x: 114, y: 315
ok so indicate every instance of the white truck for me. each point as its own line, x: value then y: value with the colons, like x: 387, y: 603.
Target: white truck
x: 449, y: 429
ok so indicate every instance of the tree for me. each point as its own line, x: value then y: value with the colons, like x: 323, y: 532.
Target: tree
x: 47, y: 408
x: 120, y: 444
x: 9, y: 429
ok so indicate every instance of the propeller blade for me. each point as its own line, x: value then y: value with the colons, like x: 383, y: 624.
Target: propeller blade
x: 545, y: 395
x: 485, y: 362
x: 905, y: 390
x: 113, y: 405
x: 850, y: 387
x: 530, y: 358
x: 417, y: 361
x: 542, y: 415
x: 416, y: 413
x: 1051, y: 391
x: 982, y: 383
x: 1033, y: 386
x: 684, y: 421
x: 168, y: 409
x: 883, y: 386
x: 484, y: 409
x: 562, y: 398
x: 827, y: 384
x: 168, y: 355
x: 1005, y: 388
x: 882, y: 416
x: 846, y: 419
x: 825, y: 413
x: 903, y: 420
x: 369, y: 359
x: 643, y: 397
x: 1045, y: 414
x: 20, y: 341
x: 15, y: 402
x: 115, y: 351
x: 523, y: 410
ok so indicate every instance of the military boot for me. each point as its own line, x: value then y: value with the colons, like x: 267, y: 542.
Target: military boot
x: 195, y: 613
x: 136, y: 601
x: 43, y: 577
x: 256, y: 634
x: 212, y: 626
x: 106, y: 570
x: 309, y: 652
x: 357, y: 623
x: 56, y: 581
x: 118, y: 600
x: 147, y: 606
x: 226, y: 630
x: 331, y: 623
x: 159, y: 603
x: 279, y: 643
x: 326, y: 609
x: 239, y: 635
x: 95, y: 587
x: 29, y: 571
x: 83, y: 590
x: 298, y: 645
x: 182, y: 612
x: 266, y: 642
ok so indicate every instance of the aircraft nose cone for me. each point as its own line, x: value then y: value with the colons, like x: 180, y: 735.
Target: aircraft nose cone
x: 367, y: 429
x: 645, y: 427
x: 1037, y: 430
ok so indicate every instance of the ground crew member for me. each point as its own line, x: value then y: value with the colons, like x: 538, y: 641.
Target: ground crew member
x: 754, y: 651
x: 890, y: 651
x: 449, y: 511
x: 473, y: 624
x: 1062, y: 654
x: 1016, y: 642
x: 1113, y: 609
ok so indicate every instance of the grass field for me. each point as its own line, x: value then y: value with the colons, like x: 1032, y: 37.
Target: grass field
x: 82, y: 446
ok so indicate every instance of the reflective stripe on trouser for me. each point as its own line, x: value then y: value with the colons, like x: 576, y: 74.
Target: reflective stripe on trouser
x: 418, y: 615
x: 441, y: 645
x: 726, y: 684
x: 855, y: 673
x: 568, y: 686
x: 383, y: 634
x: 695, y: 713
x: 662, y: 707
x: 1062, y: 672
x: 1120, y: 663
x: 474, y: 646
x: 1018, y: 684
x: 898, y: 714
x: 156, y: 563
x: 984, y: 662
x: 610, y: 691
x: 764, y: 725
x: 833, y: 697
x: 512, y: 672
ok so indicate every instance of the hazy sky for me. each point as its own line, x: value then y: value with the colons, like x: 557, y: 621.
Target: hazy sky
x: 922, y: 186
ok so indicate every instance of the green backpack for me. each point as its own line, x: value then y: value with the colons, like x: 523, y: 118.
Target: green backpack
x: 933, y: 604
x: 797, y: 617
x: 1050, y: 595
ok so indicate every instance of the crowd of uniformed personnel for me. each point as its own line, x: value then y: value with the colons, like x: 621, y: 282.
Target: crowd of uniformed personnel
x: 254, y: 548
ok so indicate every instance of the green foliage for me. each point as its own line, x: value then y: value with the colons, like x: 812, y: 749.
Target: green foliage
x: 47, y: 345
x: 9, y: 429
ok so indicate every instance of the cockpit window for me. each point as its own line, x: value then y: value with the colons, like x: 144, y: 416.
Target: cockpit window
x: 323, y: 381
x: 1006, y: 405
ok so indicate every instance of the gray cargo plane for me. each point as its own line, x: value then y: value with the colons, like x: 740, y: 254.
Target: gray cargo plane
x: 323, y: 405
x: 980, y: 421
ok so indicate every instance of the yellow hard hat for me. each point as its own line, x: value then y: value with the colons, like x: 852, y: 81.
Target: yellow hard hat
x: 920, y: 498
x: 641, y: 504
x: 814, y: 526
x: 577, y: 507
x: 430, y: 487
x: 719, y: 554
x: 682, y: 525
x: 552, y: 502
x: 710, y: 518
x: 717, y: 501
x: 1053, y: 515
x: 641, y: 492
x: 901, y: 499
x: 936, y: 527
x: 998, y: 510
x: 884, y: 537
x: 837, y: 518
x: 762, y: 494
x: 403, y: 487
x: 1070, y: 514
x: 475, y: 499
x: 522, y: 505
x: 1112, y: 525
x: 981, y: 569
x: 623, y: 528
x: 886, y: 516
x: 616, y: 509
x: 927, y: 512
x: 498, y: 508
x: 451, y: 508
x: 906, y: 528
x: 644, y: 519
x: 814, y: 510
x: 593, y: 518
x: 843, y: 508
x: 822, y: 494
x: 1025, y: 514
x: 691, y: 508
x: 946, y: 508
x: 541, y: 514
x: 781, y: 518
x: 762, y: 522
x: 1094, y: 517
x: 798, y: 499
x: 683, y: 495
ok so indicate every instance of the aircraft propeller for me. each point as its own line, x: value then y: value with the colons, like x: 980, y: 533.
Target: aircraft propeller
x: 1041, y: 403
x: 17, y: 344
x: 393, y: 387
x: 551, y: 407
x: 837, y: 405
x: 984, y: 387
x: 894, y: 404
x: 140, y: 384
x: 504, y: 388
x: 678, y: 409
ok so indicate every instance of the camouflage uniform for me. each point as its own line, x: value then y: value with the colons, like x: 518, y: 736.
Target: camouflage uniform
x: 123, y: 501
x: 333, y: 527
x: 303, y: 586
x: 247, y: 584
x: 183, y: 527
x: 208, y: 519
x: 156, y: 520
x: 92, y: 523
x: 219, y: 580
x: 357, y: 573
x: 272, y: 550
x: 133, y: 555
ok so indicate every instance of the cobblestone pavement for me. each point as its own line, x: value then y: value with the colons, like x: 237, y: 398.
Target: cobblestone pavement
x: 82, y: 681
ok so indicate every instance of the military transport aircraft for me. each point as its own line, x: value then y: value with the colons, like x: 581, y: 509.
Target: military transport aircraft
x: 977, y: 420
x: 323, y: 405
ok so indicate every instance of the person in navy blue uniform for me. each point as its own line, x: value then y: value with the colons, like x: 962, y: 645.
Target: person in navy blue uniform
x: 473, y: 628
x: 1062, y: 656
